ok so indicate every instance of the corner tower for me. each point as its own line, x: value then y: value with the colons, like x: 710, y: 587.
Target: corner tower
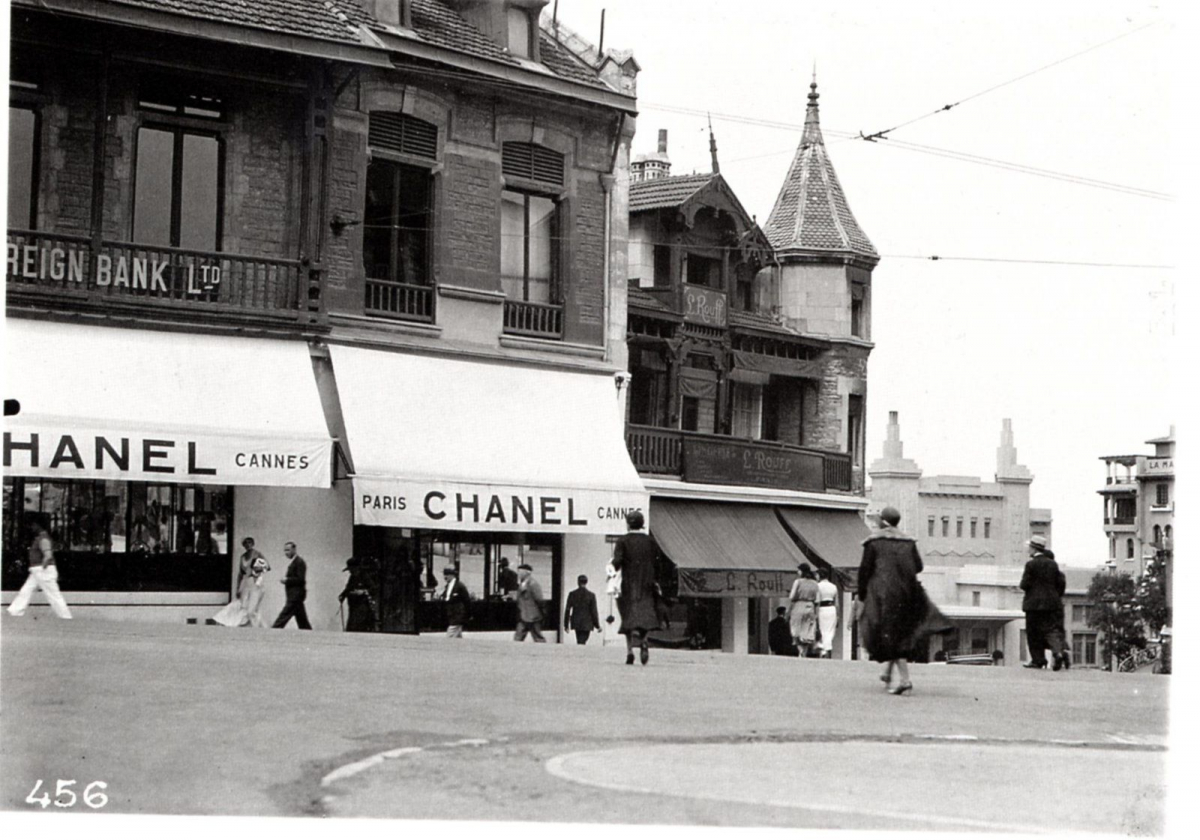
x: 825, y: 264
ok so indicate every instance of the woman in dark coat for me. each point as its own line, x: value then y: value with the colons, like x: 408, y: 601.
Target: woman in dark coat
x: 358, y: 592
x: 634, y: 559
x: 895, y: 611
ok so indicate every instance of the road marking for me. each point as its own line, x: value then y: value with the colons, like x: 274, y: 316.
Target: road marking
x: 356, y: 767
x: 555, y: 767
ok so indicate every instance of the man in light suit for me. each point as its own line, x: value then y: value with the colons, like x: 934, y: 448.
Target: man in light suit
x: 582, y: 615
x: 529, y: 605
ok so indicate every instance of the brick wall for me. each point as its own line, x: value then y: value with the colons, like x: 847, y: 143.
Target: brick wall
x: 584, y: 315
x: 843, y: 368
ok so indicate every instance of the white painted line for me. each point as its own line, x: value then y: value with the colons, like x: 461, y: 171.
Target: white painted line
x: 347, y: 770
x: 356, y: 767
x: 555, y: 767
x: 396, y: 753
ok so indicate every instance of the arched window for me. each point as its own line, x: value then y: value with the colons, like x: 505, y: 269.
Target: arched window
x: 1129, y: 549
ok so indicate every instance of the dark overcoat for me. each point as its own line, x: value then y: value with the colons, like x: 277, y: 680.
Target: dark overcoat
x: 457, y: 604
x: 1040, y: 582
x: 634, y: 558
x: 897, y: 613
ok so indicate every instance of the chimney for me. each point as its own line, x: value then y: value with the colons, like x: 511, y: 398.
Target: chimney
x: 662, y: 141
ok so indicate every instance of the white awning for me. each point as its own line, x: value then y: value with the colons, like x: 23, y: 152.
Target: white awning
x: 472, y: 445
x: 102, y: 402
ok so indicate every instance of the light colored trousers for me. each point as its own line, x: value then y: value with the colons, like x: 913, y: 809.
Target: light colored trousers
x: 44, y: 578
x: 827, y: 619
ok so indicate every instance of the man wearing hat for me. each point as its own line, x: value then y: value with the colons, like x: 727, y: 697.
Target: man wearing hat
x: 1042, y: 605
x: 529, y: 605
x: 457, y: 599
x: 582, y: 615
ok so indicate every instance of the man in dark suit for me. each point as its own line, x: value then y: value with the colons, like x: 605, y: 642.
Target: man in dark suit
x: 457, y: 600
x: 582, y: 615
x: 779, y: 635
x: 1042, y: 605
x: 529, y: 605
x: 295, y: 589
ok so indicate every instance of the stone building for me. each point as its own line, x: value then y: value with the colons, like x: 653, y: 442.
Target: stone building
x: 1139, y: 505
x: 747, y: 360
x: 960, y: 520
x: 343, y: 272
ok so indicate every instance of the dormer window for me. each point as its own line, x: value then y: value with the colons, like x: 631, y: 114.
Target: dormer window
x: 520, y: 33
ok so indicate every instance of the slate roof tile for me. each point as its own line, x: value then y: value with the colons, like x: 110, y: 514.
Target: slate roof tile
x: 308, y: 18
x: 659, y: 193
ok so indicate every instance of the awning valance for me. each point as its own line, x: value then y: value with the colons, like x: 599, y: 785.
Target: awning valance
x: 470, y: 445
x: 102, y: 402
x: 761, y: 363
x: 831, y: 538
x: 725, y: 550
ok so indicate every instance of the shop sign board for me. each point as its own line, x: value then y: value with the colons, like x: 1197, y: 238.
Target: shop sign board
x: 456, y: 506
x: 704, y: 306
x: 735, y: 583
x: 733, y: 462
x: 67, y: 262
x: 67, y: 452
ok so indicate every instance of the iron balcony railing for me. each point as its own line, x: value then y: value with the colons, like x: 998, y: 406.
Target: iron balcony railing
x: 661, y: 451
x: 539, y: 320
x: 43, y: 265
x: 403, y: 301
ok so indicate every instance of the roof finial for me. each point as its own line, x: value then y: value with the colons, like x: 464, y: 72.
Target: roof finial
x: 712, y: 148
x: 813, y: 96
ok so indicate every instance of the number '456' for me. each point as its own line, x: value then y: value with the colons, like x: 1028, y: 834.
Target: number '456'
x: 93, y: 795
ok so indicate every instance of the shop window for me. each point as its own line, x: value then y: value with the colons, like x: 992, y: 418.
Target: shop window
x: 180, y: 534
x: 703, y: 271
x: 178, y: 188
x: 1161, y: 495
x: 23, y: 164
x: 397, y: 222
x: 747, y: 407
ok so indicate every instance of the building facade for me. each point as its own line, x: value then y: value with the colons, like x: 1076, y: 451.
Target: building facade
x: 744, y: 416
x: 960, y: 520
x: 1139, y: 505
x: 349, y: 274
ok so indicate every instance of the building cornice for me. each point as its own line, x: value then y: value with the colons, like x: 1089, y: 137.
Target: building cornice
x: 674, y: 489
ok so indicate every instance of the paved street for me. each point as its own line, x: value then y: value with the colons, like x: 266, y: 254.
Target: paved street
x: 205, y: 720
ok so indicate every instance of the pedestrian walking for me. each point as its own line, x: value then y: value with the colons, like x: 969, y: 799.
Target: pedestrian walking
x: 582, y: 615
x: 827, y: 614
x: 529, y: 605
x: 634, y: 557
x: 1042, y: 605
x: 894, y: 612
x: 43, y: 574
x: 358, y: 593
x: 252, y: 565
x: 779, y: 635
x: 803, y: 610
x: 295, y: 590
x: 458, y: 601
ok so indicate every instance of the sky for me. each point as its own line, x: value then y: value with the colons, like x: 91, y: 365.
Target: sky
x: 1053, y: 302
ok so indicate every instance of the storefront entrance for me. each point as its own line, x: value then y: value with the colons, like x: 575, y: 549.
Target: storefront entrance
x: 403, y: 570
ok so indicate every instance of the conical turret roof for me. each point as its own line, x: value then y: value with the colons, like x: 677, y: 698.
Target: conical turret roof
x: 811, y: 213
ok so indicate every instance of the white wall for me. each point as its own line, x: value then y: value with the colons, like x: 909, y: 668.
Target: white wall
x: 320, y: 522
x: 588, y: 554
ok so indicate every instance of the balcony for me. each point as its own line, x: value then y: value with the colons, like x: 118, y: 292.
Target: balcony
x: 402, y: 301
x: 537, y: 320
x: 1120, y: 520
x: 719, y: 459
x: 63, y: 270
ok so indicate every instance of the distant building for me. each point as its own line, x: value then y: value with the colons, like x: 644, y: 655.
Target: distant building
x: 1139, y: 505
x: 960, y: 520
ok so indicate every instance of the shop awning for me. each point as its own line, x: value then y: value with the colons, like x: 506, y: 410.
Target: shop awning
x: 477, y: 445
x: 725, y: 550
x: 141, y: 405
x: 830, y: 538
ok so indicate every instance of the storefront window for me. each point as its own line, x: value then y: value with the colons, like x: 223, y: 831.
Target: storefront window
x: 106, y: 533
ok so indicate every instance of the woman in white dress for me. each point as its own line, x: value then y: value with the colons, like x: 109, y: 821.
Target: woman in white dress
x: 246, y: 608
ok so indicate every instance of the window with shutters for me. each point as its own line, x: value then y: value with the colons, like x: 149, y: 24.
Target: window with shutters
x: 398, y: 216
x: 531, y: 238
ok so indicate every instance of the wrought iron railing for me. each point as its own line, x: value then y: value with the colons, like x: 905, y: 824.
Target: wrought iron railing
x: 405, y: 301
x: 69, y: 266
x: 541, y: 320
